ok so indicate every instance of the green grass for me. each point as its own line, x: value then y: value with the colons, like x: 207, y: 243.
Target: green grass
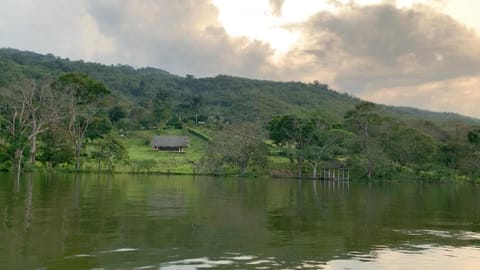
x: 144, y: 159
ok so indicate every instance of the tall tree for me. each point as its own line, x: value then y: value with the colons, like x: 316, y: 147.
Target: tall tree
x: 28, y: 110
x: 409, y: 146
x: 80, y: 97
x: 56, y: 148
x: 240, y: 145
x: 474, y: 140
x: 366, y: 124
x: 298, y: 136
x: 328, y: 143
x: 43, y: 112
x: 109, y: 151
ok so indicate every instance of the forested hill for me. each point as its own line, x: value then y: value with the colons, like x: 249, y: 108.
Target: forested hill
x: 152, y: 95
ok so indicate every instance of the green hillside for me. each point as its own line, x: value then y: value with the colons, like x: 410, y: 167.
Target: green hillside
x: 146, y: 90
x: 57, y: 113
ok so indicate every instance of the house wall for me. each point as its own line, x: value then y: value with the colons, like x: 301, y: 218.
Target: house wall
x: 169, y: 149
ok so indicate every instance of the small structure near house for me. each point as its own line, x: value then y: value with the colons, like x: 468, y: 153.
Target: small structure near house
x: 169, y: 143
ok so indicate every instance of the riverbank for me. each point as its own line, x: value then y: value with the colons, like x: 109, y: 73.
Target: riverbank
x: 142, y: 159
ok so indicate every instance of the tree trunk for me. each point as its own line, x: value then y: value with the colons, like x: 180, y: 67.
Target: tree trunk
x: 18, y: 160
x: 300, y: 165
x: 78, y: 147
x: 243, y: 170
x: 370, y: 170
x: 33, y: 148
x: 315, y: 171
x: 98, y: 165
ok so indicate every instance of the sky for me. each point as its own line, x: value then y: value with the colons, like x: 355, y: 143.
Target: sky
x: 420, y: 53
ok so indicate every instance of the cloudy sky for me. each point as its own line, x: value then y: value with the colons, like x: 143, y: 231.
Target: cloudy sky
x: 421, y: 53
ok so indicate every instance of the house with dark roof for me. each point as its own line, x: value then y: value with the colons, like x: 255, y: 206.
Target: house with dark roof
x: 169, y: 143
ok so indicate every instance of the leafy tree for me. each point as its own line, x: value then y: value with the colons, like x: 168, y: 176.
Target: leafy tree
x: 160, y: 107
x: 140, y: 117
x: 55, y: 148
x: 109, y: 151
x: 474, y: 137
x: 117, y: 113
x: 239, y: 145
x: 305, y: 139
x: 328, y: 143
x: 453, y: 153
x: 79, y: 97
x: 474, y: 140
x: 409, y: 146
x: 99, y: 127
x: 366, y: 124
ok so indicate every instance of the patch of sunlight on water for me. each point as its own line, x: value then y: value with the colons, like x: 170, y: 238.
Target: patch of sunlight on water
x: 429, y: 257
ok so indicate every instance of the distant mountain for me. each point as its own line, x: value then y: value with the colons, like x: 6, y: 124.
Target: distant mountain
x: 228, y: 97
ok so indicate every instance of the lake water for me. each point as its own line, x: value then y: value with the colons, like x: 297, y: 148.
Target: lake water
x: 160, y: 222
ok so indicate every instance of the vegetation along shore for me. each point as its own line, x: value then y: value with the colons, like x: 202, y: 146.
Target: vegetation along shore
x: 57, y: 114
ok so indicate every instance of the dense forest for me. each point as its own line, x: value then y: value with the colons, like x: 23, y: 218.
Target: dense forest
x: 57, y: 113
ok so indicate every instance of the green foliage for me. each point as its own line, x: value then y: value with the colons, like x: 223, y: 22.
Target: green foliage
x: 117, y: 113
x: 308, y: 123
x: 175, y: 123
x: 109, y: 151
x: 85, y: 89
x: 99, y: 126
x: 310, y: 140
x: 144, y: 165
x: 369, y: 128
x: 80, y: 97
x: 55, y: 149
x: 240, y: 145
x: 474, y: 136
x: 410, y: 146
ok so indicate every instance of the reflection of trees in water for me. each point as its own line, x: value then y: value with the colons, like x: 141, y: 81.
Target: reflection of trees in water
x: 59, y: 217
x: 167, y: 204
x: 361, y: 217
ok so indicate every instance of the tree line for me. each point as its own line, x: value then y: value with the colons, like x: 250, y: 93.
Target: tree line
x: 369, y: 143
x: 50, y: 121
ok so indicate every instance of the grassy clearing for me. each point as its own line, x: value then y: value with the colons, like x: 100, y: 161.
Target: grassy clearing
x: 144, y: 159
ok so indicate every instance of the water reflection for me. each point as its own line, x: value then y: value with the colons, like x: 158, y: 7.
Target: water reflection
x: 157, y: 222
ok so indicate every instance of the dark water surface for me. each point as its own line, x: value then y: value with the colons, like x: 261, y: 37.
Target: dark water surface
x: 160, y: 222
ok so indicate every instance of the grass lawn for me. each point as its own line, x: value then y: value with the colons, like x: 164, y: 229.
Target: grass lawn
x: 144, y: 159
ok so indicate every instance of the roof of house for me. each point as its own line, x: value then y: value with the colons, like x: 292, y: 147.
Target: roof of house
x: 169, y: 141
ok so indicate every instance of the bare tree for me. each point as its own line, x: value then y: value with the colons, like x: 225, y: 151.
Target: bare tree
x: 29, y: 109
x: 42, y: 111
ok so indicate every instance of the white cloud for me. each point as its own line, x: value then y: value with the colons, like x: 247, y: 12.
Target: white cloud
x: 454, y: 95
x: 380, y: 46
x: 60, y: 27
x: 382, y: 52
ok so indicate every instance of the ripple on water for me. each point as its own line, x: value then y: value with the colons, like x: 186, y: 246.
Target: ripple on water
x: 195, y: 263
x: 463, y: 235
x: 119, y: 250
